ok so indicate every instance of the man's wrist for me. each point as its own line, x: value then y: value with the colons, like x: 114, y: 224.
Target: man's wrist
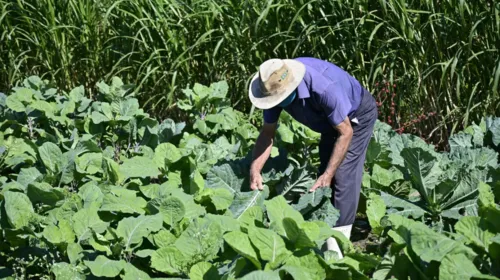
x: 254, y: 170
x: 329, y: 174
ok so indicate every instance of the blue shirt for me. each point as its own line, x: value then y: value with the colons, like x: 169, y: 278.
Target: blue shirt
x: 325, y: 97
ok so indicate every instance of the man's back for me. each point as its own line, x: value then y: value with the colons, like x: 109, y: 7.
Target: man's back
x: 335, y: 74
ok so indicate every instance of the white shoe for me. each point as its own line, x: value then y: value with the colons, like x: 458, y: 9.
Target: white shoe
x: 331, y: 243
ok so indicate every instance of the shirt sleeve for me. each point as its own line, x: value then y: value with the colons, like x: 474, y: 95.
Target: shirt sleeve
x: 335, y: 103
x: 272, y: 115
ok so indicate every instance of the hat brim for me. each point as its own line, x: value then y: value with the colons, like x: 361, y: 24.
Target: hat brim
x: 262, y: 101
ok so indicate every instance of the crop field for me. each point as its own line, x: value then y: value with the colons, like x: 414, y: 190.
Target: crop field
x: 126, y: 138
x: 444, y: 55
x: 98, y: 189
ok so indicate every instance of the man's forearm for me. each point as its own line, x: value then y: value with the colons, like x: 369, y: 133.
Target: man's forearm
x: 261, y: 152
x: 338, y: 154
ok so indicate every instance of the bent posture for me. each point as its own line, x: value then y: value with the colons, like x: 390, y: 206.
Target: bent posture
x: 328, y: 100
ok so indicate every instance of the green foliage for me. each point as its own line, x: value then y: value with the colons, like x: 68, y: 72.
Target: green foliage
x: 111, y: 192
x: 107, y: 191
x: 443, y: 56
x: 415, y: 181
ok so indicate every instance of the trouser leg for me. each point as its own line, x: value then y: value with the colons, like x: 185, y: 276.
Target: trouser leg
x: 346, y: 184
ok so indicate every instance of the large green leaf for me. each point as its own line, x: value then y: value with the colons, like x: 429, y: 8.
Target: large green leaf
x: 375, y: 211
x: 28, y: 175
x: 385, y: 177
x: 459, y: 266
x: 75, y: 252
x: 61, y: 233
x: 153, y: 191
x: 141, y: 167
x: 465, y: 189
x: 426, y: 243
x: 377, y: 153
x: 77, y: 94
x: 126, y: 109
x: 401, y: 206
x: 63, y: 271
x: 326, y: 213
x: 19, y: 209
x: 163, y: 238
x: 89, y: 163
x: 295, y: 184
x: 472, y: 159
x: 493, y: 131
x: 192, y: 180
x: 44, y: 193
x: 397, y: 143
x: 51, y: 156
x: 169, y: 260
x: 285, y: 134
x: 15, y: 104
x: 253, y: 216
x: 270, y: 245
x: 305, y: 264
x: 220, y: 198
x: 262, y: 275
x: 457, y: 211
x: 424, y: 170
x: 316, y: 206
x: 192, y: 209
x: 166, y: 154
x: 302, y: 235
x: 123, y: 203
x: 65, y: 211
x: 226, y: 223
x: 171, y: 209
x: 68, y: 107
x: 133, y: 273
x: 133, y: 229
x: 226, y: 119
x: 223, y: 176
x: 87, y: 221
x: 168, y: 129
x: 494, y: 248
x: 477, y: 134
x: 203, y: 271
x: 243, y: 201
x: 460, y: 140
x: 240, y: 242
x: 104, y: 267
x: 91, y: 195
x: 309, y: 201
x: 476, y: 232
x: 68, y: 168
x: 201, y: 238
x: 277, y: 210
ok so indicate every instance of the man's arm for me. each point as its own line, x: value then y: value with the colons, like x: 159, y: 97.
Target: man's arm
x: 338, y: 154
x: 261, y: 152
x: 341, y: 146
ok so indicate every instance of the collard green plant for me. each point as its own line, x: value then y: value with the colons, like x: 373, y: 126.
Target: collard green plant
x: 415, y: 181
x: 101, y: 189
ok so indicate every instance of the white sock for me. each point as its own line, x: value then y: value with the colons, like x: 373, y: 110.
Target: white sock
x: 331, y: 243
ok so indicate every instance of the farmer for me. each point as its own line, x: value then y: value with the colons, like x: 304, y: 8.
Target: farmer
x: 328, y: 100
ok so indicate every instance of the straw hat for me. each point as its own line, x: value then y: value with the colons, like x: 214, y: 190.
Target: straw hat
x: 275, y: 81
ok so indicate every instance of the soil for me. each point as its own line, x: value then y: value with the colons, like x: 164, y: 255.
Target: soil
x: 362, y: 238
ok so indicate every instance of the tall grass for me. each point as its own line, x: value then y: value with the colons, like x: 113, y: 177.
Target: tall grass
x: 442, y: 55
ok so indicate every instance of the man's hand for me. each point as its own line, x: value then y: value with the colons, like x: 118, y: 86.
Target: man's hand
x: 337, y: 156
x: 256, y: 181
x: 323, y: 181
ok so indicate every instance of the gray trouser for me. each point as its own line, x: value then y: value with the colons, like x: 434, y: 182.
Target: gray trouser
x: 346, y: 184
